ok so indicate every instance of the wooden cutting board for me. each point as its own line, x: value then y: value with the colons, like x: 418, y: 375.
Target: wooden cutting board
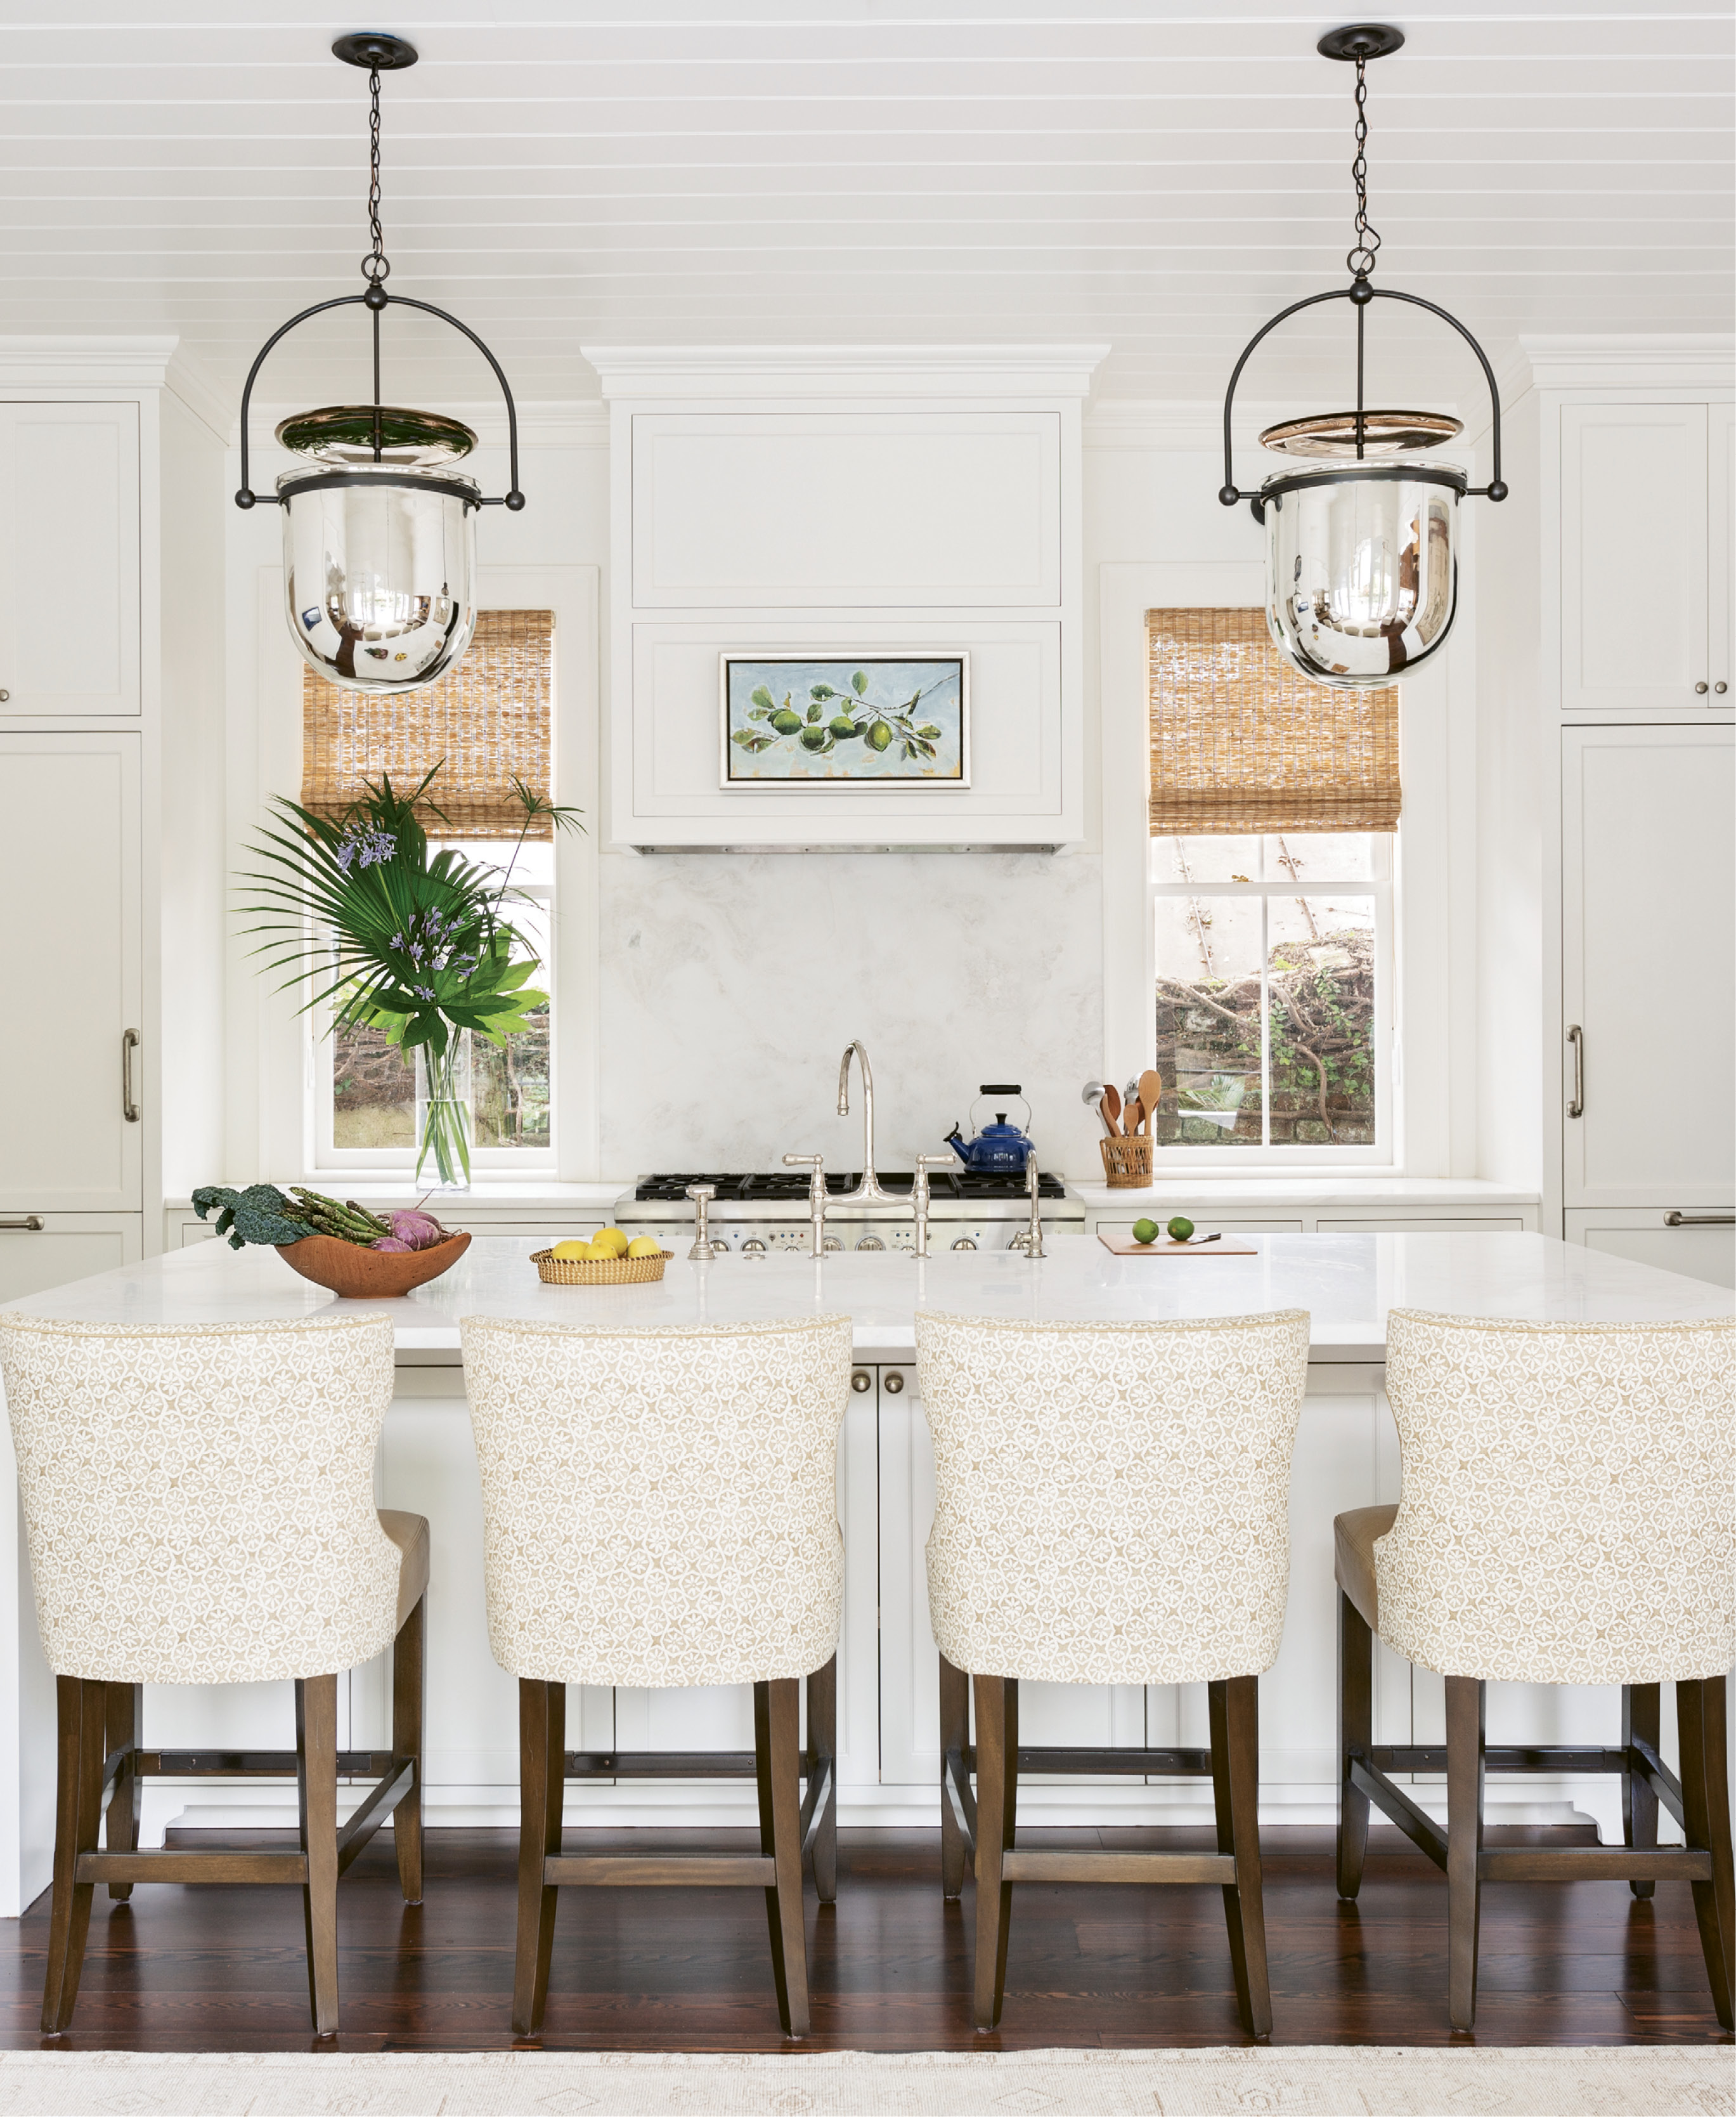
x: 1125, y: 1245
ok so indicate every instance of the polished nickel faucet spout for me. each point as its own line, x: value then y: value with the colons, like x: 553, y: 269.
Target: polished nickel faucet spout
x: 869, y: 1187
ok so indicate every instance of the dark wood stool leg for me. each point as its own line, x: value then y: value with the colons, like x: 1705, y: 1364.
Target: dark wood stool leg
x: 1234, y: 1709
x: 997, y: 1803
x: 822, y: 1750
x: 954, y: 1735
x: 126, y: 1733
x: 409, y: 1681
x: 1355, y: 1725
x: 83, y: 1733
x: 1464, y: 1843
x: 542, y: 1766
x: 1641, y: 1716
x: 317, y: 1775
x: 1706, y: 1808
x: 777, y: 1759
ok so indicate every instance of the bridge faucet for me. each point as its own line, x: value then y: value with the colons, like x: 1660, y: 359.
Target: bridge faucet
x: 869, y: 1187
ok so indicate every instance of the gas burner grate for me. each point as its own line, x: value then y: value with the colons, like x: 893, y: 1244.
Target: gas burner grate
x: 777, y: 1187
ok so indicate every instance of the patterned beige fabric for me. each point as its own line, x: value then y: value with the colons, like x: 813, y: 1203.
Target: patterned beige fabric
x: 199, y: 1500
x: 1111, y: 1499
x: 1565, y: 1514
x: 659, y: 1506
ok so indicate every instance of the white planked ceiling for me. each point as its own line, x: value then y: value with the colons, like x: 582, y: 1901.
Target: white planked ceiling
x: 1158, y: 177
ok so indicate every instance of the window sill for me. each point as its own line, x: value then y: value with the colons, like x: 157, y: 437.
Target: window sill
x: 1262, y: 1188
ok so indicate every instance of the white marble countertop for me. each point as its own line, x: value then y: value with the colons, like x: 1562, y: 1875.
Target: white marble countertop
x: 1346, y: 1283
x: 1231, y: 1194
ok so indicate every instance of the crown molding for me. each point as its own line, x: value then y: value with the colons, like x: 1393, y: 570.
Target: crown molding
x: 131, y: 362
x: 736, y: 374
x: 1621, y: 361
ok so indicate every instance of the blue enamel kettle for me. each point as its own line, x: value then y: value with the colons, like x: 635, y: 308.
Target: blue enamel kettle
x: 999, y: 1148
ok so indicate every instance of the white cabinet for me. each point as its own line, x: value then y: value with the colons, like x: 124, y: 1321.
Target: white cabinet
x: 69, y: 559
x: 1648, y: 936
x: 41, y: 1250
x: 1645, y: 557
x: 71, y: 964
x: 1698, y: 1245
x: 1720, y: 463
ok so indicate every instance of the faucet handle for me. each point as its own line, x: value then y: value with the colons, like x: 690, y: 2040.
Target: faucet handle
x: 815, y: 1164
x: 925, y: 1162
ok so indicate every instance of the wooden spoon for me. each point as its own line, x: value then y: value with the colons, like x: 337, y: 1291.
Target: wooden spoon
x: 1151, y: 1089
x: 1112, y: 1109
x: 1134, y: 1115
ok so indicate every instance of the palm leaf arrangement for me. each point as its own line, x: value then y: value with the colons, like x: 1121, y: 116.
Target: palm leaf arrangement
x: 389, y: 937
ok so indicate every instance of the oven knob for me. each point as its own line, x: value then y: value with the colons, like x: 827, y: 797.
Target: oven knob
x: 861, y: 1381
x: 753, y: 1247
x: 870, y: 1242
x: 894, y: 1383
x: 964, y: 1243
x: 831, y: 1242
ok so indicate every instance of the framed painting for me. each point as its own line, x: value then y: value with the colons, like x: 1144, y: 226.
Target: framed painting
x: 862, y: 720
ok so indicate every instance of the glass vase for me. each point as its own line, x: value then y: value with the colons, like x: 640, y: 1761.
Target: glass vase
x: 445, y: 1116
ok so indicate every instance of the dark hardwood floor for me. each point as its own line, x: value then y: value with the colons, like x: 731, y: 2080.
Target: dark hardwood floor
x: 222, y: 1968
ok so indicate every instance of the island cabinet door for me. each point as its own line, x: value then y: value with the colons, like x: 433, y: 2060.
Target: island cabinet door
x: 1049, y: 1713
x: 1648, y: 929
x: 75, y: 1090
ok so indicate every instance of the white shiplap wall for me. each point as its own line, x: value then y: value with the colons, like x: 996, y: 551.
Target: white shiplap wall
x: 1158, y: 175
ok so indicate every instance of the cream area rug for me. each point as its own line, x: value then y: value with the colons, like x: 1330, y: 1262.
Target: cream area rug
x: 1298, y: 2082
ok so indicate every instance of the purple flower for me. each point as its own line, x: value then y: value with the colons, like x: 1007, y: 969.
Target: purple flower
x: 364, y: 845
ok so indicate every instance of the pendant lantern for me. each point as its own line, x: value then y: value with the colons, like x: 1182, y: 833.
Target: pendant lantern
x: 379, y: 529
x: 1361, y: 557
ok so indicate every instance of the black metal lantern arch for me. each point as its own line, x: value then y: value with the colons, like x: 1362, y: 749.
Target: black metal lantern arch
x: 1362, y: 564
x: 379, y: 531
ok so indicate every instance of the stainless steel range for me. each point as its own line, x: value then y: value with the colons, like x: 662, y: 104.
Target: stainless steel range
x: 753, y: 1213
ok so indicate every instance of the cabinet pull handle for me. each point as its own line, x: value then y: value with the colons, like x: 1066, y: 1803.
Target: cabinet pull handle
x: 23, y: 1224
x: 1700, y: 1220
x: 1576, y: 1038
x: 129, y: 1044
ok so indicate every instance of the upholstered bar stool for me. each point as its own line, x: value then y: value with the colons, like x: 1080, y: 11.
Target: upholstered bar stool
x: 1110, y: 1507
x: 659, y: 1510
x: 1564, y: 1517
x: 199, y: 1503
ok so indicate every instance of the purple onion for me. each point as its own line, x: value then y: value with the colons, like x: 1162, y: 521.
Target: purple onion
x: 417, y: 1231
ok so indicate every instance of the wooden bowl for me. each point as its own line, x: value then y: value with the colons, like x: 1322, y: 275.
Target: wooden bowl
x: 364, y: 1275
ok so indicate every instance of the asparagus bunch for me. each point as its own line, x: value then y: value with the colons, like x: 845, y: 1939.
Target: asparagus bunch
x: 349, y: 1222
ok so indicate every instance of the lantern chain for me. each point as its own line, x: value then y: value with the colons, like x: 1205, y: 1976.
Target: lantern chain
x: 1359, y: 261
x: 374, y: 268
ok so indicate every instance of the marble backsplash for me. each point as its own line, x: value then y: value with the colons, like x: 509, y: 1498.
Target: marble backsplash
x: 731, y: 983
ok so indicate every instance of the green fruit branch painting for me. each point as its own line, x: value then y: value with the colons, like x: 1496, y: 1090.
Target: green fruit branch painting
x: 870, y: 720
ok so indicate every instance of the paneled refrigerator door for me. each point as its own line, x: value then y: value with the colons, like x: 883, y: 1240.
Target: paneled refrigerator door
x: 74, y: 1078
x: 1648, y: 935
x: 69, y: 560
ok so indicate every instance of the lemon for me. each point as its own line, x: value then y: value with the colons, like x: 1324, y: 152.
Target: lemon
x: 643, y: 1246
x: 610, y: 1241
x: 569, y: 1252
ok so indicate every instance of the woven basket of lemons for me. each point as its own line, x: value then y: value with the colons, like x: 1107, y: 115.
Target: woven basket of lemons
x: 607, y: 1259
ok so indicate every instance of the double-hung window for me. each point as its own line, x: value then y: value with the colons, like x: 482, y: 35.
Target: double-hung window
x: 1274, y: 803
x: 486, y: 724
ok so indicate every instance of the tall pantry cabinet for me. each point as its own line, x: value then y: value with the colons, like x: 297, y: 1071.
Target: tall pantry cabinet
x: 1605, y: 705
x: 112, y: 857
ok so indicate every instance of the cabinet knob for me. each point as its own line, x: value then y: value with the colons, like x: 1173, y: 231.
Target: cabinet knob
x: 1700, y: 689
x: 861, y: 1381
x: 894, y: 1383
x: 4, y: 696
x: 1720, y: 689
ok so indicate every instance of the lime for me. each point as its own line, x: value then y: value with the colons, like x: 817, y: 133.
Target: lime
x: 814, y: 738
x: 1145, y: 1231
x: 786, y: 723
x: 1181, y: 1228
x: 879, y: 737
x: 844, y: 727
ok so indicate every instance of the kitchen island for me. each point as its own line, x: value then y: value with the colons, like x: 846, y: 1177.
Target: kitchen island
x: 1346, y: 1456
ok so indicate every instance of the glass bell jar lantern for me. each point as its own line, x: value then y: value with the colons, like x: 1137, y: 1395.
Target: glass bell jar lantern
x: 379, y: 537
x: 1361, y: 534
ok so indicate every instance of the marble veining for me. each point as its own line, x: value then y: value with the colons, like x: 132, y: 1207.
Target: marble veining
x: 1346, y: 1283
x: 730, y: 985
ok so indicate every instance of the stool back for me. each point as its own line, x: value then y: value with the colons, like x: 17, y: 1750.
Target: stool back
x: 659, y: 1506
x: 1565, y: 1513
x: 1111, y: 1499
x: 199, y: 1499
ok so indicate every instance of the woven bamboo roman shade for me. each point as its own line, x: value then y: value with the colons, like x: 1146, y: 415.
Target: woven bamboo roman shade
x: 487, y: 718
x: 1240, y: 742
